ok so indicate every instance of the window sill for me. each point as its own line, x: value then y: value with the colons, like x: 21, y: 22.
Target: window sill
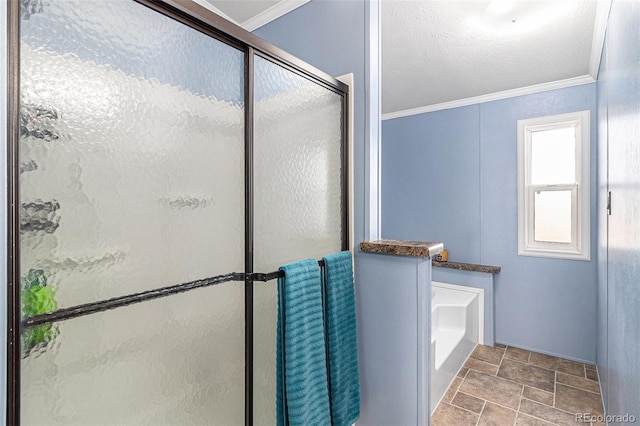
x: 555, y: 254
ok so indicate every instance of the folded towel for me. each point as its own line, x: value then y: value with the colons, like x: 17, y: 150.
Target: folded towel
x: 302, y: 396
x: 342, y: 341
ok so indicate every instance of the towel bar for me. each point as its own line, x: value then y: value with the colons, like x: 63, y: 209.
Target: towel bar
x: 261, y: 276
x: 117, y: 302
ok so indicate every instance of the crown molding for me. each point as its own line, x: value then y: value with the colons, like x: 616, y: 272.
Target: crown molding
x: 271, y: 14
x: 528, y: 90
x: 602, y: 16
x: 214, y: 9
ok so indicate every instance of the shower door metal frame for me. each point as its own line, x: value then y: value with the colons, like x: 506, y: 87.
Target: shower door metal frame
x: 200, y: 19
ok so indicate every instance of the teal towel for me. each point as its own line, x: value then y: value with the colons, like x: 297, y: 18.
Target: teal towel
x: 302, y: 395
x: 342, y: 341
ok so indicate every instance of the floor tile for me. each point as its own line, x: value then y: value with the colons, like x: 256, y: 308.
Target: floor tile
x: 447, y: 415
x: 538, y: 395
x: 499, y: 345
x: 482, y: 366
x: 463, y: 372
x: 497, y: 386
x: 494, y: 415
x: 488, y: 354
x: 517, y: 354
x: 468, y: 402
x: 491, y: 388
x: 453, y: 388
x: 527, y: 374
x: 525, y: 420
x: 578, y: 382
x: 555, y: 363
x: 547, y: 413
x: 576, y: 400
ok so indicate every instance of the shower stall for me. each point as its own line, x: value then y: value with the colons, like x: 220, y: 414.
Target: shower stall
x: 161, y: 160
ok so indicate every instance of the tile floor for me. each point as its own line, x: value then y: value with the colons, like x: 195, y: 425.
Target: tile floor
x: 504, y: 385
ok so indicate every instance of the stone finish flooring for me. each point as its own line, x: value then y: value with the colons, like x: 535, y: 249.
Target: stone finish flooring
x: 504, y: 385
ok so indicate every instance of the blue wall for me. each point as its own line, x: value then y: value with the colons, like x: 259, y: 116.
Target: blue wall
x: 619, y: 275
x: 331, y: 35
x: 431, y: 180
x: 451, y: 176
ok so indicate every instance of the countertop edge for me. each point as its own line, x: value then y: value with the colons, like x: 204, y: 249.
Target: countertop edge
x: 402, y: 247
x: 461, y: 266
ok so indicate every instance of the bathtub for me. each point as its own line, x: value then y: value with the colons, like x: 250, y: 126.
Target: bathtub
x: 457, y: 325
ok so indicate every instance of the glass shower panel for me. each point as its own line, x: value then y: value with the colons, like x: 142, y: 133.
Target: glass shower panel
x: 132, y: 150
x: 178, y: 363
x: 131, y: 178
x: 298, y: 197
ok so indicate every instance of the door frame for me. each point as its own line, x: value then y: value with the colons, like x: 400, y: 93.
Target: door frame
x: 205, y: 21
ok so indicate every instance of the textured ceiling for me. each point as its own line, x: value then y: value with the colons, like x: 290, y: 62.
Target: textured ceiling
x: 441, y: 51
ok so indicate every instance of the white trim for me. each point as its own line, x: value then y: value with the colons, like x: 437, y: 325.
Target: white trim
x: 600, y: 28
x: 580, y: 248
x: 214, y: 9
x: 271, y: 14
x: 373, y: 123
x: 348, y: 79
x: 528, y: 90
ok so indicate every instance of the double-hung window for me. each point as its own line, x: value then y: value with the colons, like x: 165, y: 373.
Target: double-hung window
x: 553, y: 186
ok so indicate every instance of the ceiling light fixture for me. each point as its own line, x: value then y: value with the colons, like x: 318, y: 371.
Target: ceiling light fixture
x: 505, y: 17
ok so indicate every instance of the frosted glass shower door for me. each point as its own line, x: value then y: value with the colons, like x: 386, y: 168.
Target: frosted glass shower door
x: 131, y: 178
x: 298, y: 157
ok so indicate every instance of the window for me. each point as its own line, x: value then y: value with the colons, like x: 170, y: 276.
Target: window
x: 553, y: 186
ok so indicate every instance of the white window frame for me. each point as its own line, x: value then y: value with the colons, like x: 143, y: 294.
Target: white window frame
x: 580, y: 246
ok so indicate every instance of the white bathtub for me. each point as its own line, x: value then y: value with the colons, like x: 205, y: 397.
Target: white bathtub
x: 457, y: 325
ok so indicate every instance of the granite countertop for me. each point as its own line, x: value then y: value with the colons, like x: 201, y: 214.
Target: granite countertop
x: 467, y: 267
x: 402, y: 247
